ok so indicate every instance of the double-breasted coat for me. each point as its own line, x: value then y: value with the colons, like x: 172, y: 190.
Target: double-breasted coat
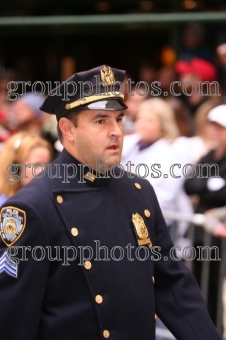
x: 75, y: 266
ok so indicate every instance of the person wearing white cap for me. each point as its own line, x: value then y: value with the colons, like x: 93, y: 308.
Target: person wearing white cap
x: 218, y: 115
x: 209, y: 183
x: 211, y: 186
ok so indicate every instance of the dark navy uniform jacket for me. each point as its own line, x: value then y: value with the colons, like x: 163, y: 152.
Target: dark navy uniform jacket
x: 116, y: 297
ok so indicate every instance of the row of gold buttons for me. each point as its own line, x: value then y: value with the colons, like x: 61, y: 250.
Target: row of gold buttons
x: 98, y: 298
x: 153, y: 280
x: 146, y: 211
x: 88, y: 264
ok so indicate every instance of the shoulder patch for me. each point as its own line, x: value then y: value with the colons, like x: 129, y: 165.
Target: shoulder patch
x: 13, y: 222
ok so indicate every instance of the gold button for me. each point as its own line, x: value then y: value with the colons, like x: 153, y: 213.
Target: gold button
x: 87, y: 265
x: 106, y: 334
x: 74, y: 231
x: 156, y: 317
x: 147, y: 213
x: 137, y: 185
x: 60, y: 199
x: 153, y: 279
x: 99, y: 299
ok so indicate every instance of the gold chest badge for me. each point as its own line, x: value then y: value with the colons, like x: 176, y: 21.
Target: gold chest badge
x: 141, y: 231
x: 107, y: 76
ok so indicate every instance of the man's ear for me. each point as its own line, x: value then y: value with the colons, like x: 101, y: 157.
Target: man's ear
x: 66, y: 126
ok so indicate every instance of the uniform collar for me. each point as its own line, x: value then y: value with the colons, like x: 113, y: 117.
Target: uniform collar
x: 90, y: 177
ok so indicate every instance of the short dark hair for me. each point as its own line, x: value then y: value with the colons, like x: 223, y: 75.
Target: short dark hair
x: 72, y: 115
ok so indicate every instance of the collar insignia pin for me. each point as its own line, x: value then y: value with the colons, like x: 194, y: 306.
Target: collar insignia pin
x: 91, y: 177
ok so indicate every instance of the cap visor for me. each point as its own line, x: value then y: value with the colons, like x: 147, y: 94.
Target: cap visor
x: 106, y: 104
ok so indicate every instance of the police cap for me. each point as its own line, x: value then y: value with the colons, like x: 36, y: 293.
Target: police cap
x: 95, y: 89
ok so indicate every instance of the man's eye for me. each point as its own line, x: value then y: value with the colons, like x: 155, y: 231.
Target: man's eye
x: 100, y: 121
x: 119, y: 120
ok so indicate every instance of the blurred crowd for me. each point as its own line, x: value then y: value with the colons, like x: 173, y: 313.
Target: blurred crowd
x: 186, y: 131
x: 168, y: 140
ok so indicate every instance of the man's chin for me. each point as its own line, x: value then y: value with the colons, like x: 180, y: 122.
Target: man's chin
x: 113, y: 162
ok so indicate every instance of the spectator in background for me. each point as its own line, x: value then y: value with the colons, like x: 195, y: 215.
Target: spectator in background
x: 153, y: 146
x: 7, y: 124
x: 192, y: 74
x: 221, y: 60
x: 155, y: 129
x: 133, y: 101
x: 210, y: 187
x: 5, y: 78
x: 29, y: 118
x: 194, y: 43
x: 194, y: 148
x: 182, y: 116
x: 166, y: 77
x: 21, y: 148
x: 204, y: 131
x: 147, y: 73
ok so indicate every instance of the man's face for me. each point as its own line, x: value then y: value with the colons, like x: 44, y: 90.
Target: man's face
x: 148, y: 126
x: 133, y: 103
x: 37, y: 155
x: 188, y: 79
x: 22, y: 112
x: 98, y: 134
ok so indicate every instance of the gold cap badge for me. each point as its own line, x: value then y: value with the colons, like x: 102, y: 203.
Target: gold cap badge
x: 107, y: 76
x: 141, y: 231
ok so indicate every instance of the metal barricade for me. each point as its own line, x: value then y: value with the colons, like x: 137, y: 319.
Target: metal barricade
x: 199, y: 220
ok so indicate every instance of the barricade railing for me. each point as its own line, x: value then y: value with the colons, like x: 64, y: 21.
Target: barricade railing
x: 198, y: 220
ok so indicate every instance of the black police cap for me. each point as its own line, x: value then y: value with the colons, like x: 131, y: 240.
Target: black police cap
x: 95, y: 89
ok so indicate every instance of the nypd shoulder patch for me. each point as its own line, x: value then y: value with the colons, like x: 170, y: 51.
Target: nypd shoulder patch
x: 13, y: 222
x: 8, y: 266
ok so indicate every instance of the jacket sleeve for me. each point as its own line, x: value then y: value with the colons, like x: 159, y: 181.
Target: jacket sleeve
x: 195, y: 186
x: 179, y: 302
x: 21, y: 297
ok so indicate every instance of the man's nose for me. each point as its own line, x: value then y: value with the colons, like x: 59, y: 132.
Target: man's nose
x: 116, y: 129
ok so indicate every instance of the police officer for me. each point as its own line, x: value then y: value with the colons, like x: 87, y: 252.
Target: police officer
x: 85, y: 252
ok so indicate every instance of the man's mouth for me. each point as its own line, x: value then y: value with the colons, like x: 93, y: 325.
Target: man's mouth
x: 113, y: 147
